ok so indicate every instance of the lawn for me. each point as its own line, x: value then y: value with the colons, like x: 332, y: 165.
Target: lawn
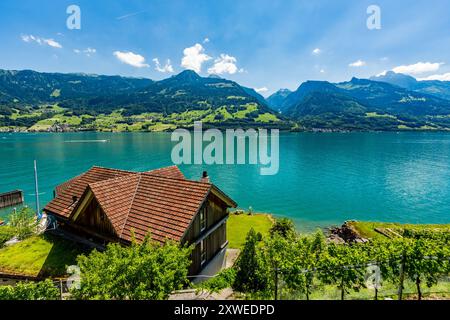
x: 43, y: 256
x: 239, y: 225
x: 367, y: 229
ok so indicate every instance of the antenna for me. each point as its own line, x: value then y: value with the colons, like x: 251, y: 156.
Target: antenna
x: 36, y: 188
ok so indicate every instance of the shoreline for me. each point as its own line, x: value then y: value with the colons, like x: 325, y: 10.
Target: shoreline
x: 223, y: 128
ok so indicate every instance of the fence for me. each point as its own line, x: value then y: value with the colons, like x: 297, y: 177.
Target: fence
x: 375, y: 286
x: 383, y: 288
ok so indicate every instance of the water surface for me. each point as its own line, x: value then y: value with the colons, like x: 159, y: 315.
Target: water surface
x: 323, y: 179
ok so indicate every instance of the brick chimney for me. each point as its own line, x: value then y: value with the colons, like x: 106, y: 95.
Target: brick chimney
x: 205, y: 177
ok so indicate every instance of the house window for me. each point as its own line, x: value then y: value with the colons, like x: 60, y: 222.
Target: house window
x: 203, y: 252
x: 202, y: 219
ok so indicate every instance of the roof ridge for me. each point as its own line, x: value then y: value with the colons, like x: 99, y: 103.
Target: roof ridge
x: 131, y: 204
x: 149, y: 173
x: 96, y: 183
x: 113, y: 169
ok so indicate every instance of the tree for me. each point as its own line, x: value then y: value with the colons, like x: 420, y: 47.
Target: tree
x: 422, y: 263
x: 301, y: 265
x: 384, y: 254
x: 343, y: 265
x: 283, y: 227
x: 44, y: 290
x: 149, y: 271
x: 279, y: 254
x: 251, y: 270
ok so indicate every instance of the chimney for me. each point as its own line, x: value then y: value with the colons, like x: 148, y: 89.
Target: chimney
x: 205, y: 177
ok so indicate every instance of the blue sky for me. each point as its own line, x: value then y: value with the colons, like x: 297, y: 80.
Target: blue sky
x: 261, y: 44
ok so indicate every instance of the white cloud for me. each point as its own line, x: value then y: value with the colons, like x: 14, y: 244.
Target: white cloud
x: 52, y: 43
x: 316, y: 51
x: 261, y: 90
x: 88, y: 51
x: 41, y: 41
x: 383, y: 73
x: 224, y: 64
x: 357, y: 64
x: 206, y: 40
x: 133, y: 59
x: 440, y: 77
x: 417, y: 68
x: 166, y: 68
x: 194, y: 57
x: 322, y: 71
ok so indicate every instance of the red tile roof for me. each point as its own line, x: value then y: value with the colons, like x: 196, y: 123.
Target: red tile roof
x: 161, y: 201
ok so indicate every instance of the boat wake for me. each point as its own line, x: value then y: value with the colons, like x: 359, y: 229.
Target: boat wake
x: 86, y: 141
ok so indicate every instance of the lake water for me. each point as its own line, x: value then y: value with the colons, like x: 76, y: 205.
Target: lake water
x: 323, y: 179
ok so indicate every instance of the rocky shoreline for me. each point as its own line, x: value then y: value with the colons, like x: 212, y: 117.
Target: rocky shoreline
x: 345, y: 234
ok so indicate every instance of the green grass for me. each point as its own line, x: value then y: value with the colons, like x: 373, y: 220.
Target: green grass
x: 42, y: 256
x: 387, y: 290
x: 267, y: 117
x: 249, y: 107
x: 239, y: 225
x: 367, y: 229
x: 56, y: 93
x: 377, y: 115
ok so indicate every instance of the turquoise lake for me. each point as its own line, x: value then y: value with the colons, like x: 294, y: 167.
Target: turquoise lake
x: 324, y: 179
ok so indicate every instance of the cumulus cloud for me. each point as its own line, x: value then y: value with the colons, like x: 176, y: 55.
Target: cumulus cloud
x: 224, y: 64
x: 41, y: 41
x: 316, y: 51
x: 440, y: 77
x: 417, y: 68
x: 357, y: 64
x: 206, y: 40
x: 261, y: 90
x: 194, y: 57
x: 167, y: 68
x: 132, y: 59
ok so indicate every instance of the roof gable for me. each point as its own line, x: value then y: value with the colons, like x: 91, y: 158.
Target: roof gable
x: 115, y: 197
x: 164, y: 207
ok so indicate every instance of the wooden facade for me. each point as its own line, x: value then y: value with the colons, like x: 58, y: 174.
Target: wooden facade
x: 213, y: 238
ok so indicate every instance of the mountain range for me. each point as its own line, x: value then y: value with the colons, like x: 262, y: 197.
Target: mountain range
x: 389, y: 102
x: 28, y: 98
x: 36, y: 101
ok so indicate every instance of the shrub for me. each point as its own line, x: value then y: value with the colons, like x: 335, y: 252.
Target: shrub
x: 6, y: 233
x: 222, y: 280
x: 23, y: 222
x: 44, y: 290
x: 149, y: 271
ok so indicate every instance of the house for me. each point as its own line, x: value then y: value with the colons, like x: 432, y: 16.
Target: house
x: 110, y: 205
